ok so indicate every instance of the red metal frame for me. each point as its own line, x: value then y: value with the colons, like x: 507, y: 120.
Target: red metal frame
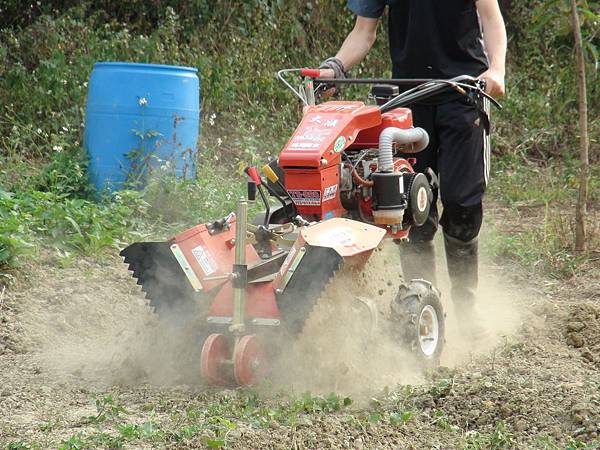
x: 211, y: 255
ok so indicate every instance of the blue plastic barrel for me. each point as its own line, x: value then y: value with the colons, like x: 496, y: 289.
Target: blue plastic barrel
x: 141, y: 119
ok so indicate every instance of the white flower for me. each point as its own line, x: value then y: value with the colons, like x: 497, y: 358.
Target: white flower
x: 57, y: 148
x: 64, y: 81
x: 142, y: 101
x: 252, y: 128
x: 65, y: 129
x: 211, y: 119
x: 219, y: 141
x: 39, y: 131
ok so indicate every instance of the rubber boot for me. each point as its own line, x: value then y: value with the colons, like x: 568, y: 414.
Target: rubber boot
x: 463, y: 269
x: 462, y: 260
x: 418, y: 261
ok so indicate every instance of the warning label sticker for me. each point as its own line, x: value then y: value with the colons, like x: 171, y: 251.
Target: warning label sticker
x: 306, y: 198
x: 205, y: 260
x: 329, y: 192
x: 338, y: 236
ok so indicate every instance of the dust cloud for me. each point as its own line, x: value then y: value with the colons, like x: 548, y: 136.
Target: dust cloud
x: 91, y: 324
x: 339, y: 350
x: 96, y: 327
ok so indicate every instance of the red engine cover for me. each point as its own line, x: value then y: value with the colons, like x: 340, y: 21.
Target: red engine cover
x: 325, y: 131
x: 312, y: 156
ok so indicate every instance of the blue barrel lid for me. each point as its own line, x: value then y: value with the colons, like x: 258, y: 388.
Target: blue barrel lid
x: 103, y: 64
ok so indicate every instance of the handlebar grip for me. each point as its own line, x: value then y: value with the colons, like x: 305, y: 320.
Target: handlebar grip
x: 312, y: 73
x: 252, y: 172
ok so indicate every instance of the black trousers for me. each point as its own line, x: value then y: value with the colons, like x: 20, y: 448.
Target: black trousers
x: 459, y: 153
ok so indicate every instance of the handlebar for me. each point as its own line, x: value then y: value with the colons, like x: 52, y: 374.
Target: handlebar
x: 422, y: 87
x: 311, y: 73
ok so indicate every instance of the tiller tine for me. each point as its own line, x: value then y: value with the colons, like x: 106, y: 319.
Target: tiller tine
x: 158, y: 272
x: 318, y: 253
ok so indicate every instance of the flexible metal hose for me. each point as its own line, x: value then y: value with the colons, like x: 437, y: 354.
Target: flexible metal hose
x: 392, y: 135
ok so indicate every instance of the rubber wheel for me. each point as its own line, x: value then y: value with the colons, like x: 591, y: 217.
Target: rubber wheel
x: 418, y: 312
x: 250, y: 362
x: 215, y: 351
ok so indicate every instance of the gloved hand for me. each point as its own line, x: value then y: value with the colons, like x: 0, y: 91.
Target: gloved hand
x: 331, y: 68
x: 334, y: 64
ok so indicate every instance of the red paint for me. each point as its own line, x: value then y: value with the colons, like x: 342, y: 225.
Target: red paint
x: 260, y: 302
x: 311, y: 73
x: 216, y: 250
x: 321, y: 126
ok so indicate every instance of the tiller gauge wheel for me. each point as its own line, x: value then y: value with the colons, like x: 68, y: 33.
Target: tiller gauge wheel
x: 215, y: 352
x: 249, y: 361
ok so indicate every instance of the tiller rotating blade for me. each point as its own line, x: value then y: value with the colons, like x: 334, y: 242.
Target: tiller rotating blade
x: 157, y: 271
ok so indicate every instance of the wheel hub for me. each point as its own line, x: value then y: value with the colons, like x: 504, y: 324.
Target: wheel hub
x: 249, y: 362
x: 428, y: 330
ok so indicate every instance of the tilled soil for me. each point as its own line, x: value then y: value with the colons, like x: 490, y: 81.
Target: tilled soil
x: 70, y: 336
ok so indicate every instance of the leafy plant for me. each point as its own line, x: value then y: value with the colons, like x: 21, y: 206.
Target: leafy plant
x: 106, y: 409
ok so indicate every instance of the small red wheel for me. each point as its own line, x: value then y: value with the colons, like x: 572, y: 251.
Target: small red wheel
x: 215, y: 351
x: 249, y: 362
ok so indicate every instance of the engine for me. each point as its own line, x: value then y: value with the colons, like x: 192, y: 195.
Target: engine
x: 397, y: 199
x: 342, y: 162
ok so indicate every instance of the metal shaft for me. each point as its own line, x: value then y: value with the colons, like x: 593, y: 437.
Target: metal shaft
x: 394, y: 81
x: 239, y: 292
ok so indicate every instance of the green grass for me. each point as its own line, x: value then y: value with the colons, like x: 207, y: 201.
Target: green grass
x: 539, y: 234
x: 214, y: 420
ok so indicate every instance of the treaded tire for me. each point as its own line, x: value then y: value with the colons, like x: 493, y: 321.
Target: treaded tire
x: 416, y: 304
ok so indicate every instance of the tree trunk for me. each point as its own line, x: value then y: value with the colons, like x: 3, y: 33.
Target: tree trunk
x: 581, y: 210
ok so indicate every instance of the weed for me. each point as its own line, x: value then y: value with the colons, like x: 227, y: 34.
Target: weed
x: 576, y: 444
x: 22, y: 446
x: 136, y: 431
x: 440, y: 419
x: 540, y: 234
x: 499, y: 438
x: 316, y: 403
x: 29, y: 218
x: 442, y: 388
x: 48, y: 426
x: 106, y: 409
x: 401, y: 417
x: 75, y: 442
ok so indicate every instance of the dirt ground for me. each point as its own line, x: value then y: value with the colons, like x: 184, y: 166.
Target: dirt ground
x: 70, y: 336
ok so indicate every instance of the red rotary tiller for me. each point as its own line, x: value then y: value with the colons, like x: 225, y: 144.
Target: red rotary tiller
x: 341, y: 189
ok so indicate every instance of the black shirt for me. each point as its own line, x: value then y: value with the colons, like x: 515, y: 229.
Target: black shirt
x: 430, y: 38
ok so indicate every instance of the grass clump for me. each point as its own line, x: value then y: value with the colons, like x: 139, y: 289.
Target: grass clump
x: 538, y: 229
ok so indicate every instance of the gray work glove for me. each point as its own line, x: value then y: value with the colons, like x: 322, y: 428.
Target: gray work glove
x: 336, y: 65
x: 339, y: 71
